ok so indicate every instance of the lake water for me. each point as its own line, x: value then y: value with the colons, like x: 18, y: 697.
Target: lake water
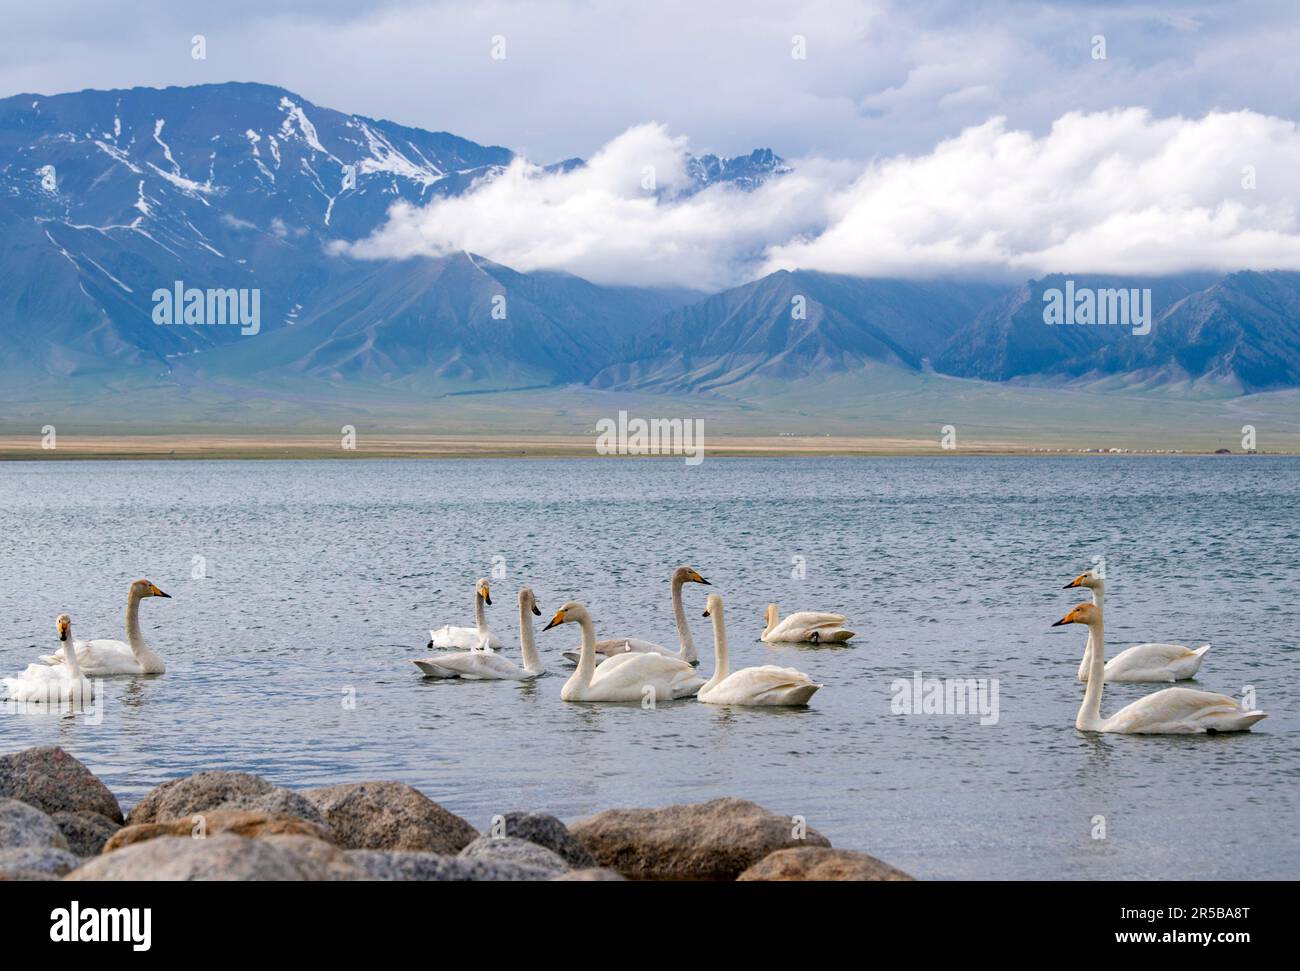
x: 323, y: 578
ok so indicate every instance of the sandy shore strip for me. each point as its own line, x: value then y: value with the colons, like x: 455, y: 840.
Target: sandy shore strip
x: 227, y: 446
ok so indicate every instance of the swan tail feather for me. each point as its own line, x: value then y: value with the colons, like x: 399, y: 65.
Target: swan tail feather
x: 432, y: 670
x: 1200, y: 651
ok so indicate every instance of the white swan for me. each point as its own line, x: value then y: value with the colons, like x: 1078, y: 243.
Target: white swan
x: 1141, y: 663
x: 632, y: 676
x: 468, y: 638
x: 485, y: 665
x: 132, y: 656
x: 766, y: 685
x: 52, y: 683
x: 623, y: 645
x: 1171, y: 711
x: 805, y: 627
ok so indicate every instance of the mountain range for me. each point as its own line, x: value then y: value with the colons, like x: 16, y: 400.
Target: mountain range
x: 106, y: 196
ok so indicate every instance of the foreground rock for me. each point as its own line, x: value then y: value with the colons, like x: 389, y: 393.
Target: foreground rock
x: 221, y: 857
x: 715, y: 840
x: 332, y: 858
x: 550, y: 832
x: 589, y: 874
x: 86, y: 832
x: 23, y: 826
x: 36, y: 862
x: 510, y: 849
x: 403, y: 865
x: 390, y: 816
x: 205, y: 791
x: 241, y: 822
x: 53, y: 781
x: 821, y: 863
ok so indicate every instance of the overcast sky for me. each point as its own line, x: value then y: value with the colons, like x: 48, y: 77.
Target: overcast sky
x: 878, y: 78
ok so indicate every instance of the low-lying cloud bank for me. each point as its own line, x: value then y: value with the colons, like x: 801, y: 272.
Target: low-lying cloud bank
x: 1116, y: 191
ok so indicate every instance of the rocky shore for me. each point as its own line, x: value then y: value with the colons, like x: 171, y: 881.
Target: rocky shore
x: 58, y: 821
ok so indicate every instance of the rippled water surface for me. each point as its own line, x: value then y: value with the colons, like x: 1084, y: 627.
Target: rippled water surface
x: 324, y: 577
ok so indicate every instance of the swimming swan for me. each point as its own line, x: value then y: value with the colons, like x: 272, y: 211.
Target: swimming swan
x: 132, y: 656
x: 468, y: 638
x: 632, y: 676
x: 805, y: 627
x: 766, y: 685
x: 1141, y: 663
x: 485, y: 665
x: 1171, y: 711
x: 52, y: 683
x: 622, y: 645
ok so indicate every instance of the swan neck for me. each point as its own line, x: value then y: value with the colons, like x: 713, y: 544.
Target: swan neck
x: 721, y: 659
x: 771, y: 619
x: 587, y: 657
x: 687, y: 650
x: 527, y: 647
x: 480, y: 615
x: 1090, y: 710
x: 133, y: 636
x: 70, y: 649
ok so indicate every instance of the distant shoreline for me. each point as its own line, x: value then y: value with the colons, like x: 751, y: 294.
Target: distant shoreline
x: 304, y: 447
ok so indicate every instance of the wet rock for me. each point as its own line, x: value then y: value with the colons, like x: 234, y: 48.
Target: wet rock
x: 28, y: 876
x: 219, y: 789
x: 390, y: 816
x: 545, y: 830
x: 86, y: 832
x: 589, y: 873
x: 53, y: 781
x: 510, y: 849
x: 50, y: 860
x: 715, y: 840
x: 22, y: 825
x: 400, y: 865
x: 221, y: 857
x: 241, y: 822
x: 821, y: 863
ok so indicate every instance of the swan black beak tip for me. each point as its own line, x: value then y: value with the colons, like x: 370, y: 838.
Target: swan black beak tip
x: 1059, y: 623
x: 706, y: 613
x: 536, y: 611
x: 549, y: 626
x: 1068, y: 586
x: 705, y: 582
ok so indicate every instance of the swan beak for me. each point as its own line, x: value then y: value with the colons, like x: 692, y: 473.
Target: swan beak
x: 706, y: 611
x: 487, y: 595
x: 1063, y: 620
x: 155, y: 592
x: 556, y: 620
x: 536, y: 611
x: 1076, y: 582
x: 63, y: 630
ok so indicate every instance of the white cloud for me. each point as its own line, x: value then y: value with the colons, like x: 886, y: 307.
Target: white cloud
x: 1116, y: 191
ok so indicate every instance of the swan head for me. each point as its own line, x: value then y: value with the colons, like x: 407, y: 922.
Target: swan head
x: 571, y: 613
x: 481, y: 589
x: 687, y: 574
x: 64, y: 624
x: 146, y: 588
x: 1086, y: 614
x: 1088, y: 578
x: 528, y: 601
x: 712, y: 605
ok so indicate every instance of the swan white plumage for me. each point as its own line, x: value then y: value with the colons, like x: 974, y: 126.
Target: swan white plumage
x: 1171, y: 711
x: 1141, y: 663
x: 632, y: 676
x: 485, y: 665
x: 767, y: 685
x: 805, y: 627
x: 52, y: 683
x: 623, y: 645
x: 468, y: 638
x: 106, y: 657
